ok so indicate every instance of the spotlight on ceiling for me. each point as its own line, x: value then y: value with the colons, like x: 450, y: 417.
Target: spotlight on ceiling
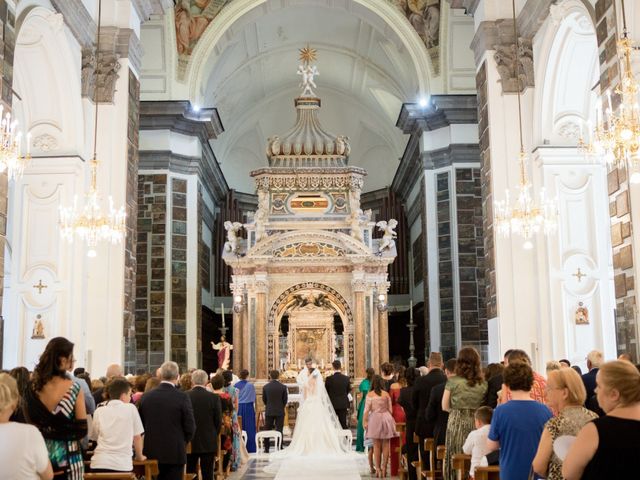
x: 195, y: 108
x: 423, y: 102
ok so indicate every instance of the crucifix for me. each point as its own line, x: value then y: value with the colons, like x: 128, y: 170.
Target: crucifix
x: 40, y: 286
x: 579, y: 275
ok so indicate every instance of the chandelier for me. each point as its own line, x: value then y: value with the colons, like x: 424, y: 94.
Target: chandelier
x: 89, y: 223
x: 525, y: 217
x: 616, y: 136
x: 11, y: 159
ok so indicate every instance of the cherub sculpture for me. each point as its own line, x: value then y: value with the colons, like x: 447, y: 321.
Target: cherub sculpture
x: 308, y: 72
x: 388, y: 238
x: 233, y: 240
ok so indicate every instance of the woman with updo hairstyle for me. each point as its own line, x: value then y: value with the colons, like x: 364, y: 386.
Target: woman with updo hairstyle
x: 463, y: 394
x: 55, y: 405
x: 609, y: 447
x: 23, y: 453
x: 566, y: 395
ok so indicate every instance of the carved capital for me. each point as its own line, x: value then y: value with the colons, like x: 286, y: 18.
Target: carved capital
x: 505, y: 57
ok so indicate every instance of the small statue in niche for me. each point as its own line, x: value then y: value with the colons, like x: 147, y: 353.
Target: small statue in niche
x: 38, y: 328
x: 582, y: 315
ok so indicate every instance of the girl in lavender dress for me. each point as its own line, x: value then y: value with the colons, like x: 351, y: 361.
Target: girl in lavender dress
x: 379, y: 424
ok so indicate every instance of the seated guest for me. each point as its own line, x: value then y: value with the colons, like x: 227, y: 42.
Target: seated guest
x: 23, y: 454
x: 247, y: 409
x: 208, y: 416
x: 565, y: 394
x: 517, y: 425
x: 476, y: 443
x: 609, y: 447
x: 116, y: 426
x: 55, y: 404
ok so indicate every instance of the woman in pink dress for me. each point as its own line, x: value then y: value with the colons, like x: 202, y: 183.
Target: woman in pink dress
x: 379, y: 424
x: 397, y: 412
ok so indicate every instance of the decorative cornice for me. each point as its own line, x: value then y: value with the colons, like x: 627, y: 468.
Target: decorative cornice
x: 470, y: 6
x: 78, y: 20
x: 179, y: 116
x: 206, y: 168
x: 146, y: 8
x: 309, y: 179
x: 442, y: 111
x: 447, y: 156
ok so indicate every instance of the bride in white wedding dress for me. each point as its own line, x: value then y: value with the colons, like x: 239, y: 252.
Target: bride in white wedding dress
x: 317, y: 450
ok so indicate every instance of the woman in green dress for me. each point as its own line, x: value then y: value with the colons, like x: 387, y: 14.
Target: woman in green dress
x: 463, y: 394
x: 365, y: 385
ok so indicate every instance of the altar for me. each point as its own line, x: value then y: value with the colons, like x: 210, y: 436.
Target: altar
x: 308, y: 278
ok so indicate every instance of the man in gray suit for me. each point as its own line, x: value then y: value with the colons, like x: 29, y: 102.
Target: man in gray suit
x: 275, y: 398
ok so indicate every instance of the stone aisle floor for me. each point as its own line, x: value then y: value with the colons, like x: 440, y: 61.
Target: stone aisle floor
x: 254, y: 470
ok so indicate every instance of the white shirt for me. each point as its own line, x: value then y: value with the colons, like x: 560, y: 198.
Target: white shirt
x: 23, y: 452
x: 476, y: 446
x: 114, y: 426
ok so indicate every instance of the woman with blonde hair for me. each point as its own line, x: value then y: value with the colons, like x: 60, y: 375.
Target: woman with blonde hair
x: 23, y: 454
x: 565, y: 394
x: 609, y: 447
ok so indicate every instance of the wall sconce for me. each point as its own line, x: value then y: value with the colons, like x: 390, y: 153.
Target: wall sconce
x: 238, y: 302
x: 381, y: 302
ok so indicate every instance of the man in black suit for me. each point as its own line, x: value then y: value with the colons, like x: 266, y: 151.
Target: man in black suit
x: 594, y: 360
x: 435, y: 418
x: 167, y: 416
x: 339, y: 388
x: 208, y: 416
x: 275, y: 398
x: 421, y: 392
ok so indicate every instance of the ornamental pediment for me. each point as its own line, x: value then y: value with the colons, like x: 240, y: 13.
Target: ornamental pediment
x: 314, y: 244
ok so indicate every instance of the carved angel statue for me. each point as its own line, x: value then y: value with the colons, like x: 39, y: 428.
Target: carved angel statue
x: 233, y: 240
x: 260, y: 217
x: 322, y: 300
x: 387, y: 242
x: 308, y: 72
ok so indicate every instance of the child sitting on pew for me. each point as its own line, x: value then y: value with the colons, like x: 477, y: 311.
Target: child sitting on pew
x: 476, y: 443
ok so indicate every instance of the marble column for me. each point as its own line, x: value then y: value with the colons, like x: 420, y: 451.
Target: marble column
x: 261, y: 329
x: 383, y: 337
x: 360, y: 343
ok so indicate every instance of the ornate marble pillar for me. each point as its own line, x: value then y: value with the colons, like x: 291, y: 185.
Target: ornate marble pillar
x: 360, y: 343
x: 238, y: 337
x: 261, y: 328
x: 383, y: 337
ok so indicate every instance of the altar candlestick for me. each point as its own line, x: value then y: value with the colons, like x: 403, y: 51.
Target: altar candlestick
x: 222, y: 307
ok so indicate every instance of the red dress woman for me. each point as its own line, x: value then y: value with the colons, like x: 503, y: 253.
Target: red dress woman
x: 397, y: 412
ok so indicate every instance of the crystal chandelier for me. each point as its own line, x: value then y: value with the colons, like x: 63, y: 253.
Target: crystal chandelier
x: 526, y: 217
x: 89, y: 223
x: 11, y: 159
x: 616, y: 136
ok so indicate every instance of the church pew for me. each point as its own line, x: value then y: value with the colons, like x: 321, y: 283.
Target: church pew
x: 492, y: 472
x: 433, y: 471
x: 109, y: 476
x: 148, y: 468
x: 461, y: 463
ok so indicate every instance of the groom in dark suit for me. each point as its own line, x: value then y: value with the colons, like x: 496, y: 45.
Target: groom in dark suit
x: 275, y: 398
x: 339, y: 388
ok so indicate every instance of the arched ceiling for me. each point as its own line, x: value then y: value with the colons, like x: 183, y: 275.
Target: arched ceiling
x: 366, y: 73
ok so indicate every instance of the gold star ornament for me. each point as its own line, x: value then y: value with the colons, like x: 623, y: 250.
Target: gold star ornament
x: 308, y: 54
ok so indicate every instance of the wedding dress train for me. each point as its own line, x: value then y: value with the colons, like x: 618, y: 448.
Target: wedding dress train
x: 316, y: 450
